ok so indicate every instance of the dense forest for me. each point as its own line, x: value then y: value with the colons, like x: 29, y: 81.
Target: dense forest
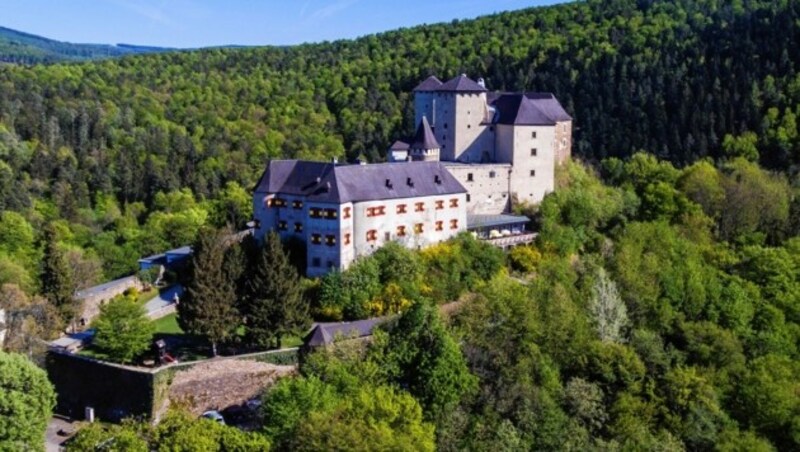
x: 659, y: 308
x: 115, y: 150
x: 24, y: 48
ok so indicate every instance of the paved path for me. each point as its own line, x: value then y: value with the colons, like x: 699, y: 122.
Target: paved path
x: 165, y: 299
x: 52, y: 438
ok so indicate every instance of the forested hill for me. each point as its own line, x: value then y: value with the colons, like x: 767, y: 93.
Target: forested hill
x: 25, y: 48
x: 673, y: 78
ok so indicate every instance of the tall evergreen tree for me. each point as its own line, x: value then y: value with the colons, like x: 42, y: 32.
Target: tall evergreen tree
x: 56, y: 277
x: 209, y: 306
x: 275, y: 305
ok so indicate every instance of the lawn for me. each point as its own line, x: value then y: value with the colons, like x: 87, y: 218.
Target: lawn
x: 167, y: 325
x: 146, y: 296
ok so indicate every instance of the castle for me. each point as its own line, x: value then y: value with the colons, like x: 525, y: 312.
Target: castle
x: 503, y: 147
x: 475, y: 154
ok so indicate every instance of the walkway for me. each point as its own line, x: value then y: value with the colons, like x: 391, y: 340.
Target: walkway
x: 163, y: 303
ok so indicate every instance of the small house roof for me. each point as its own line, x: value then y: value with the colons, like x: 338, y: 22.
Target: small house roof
x: 399, y: 145
x: 327, y: 333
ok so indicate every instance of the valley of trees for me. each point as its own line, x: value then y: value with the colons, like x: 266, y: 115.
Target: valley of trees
x: 659, y: 308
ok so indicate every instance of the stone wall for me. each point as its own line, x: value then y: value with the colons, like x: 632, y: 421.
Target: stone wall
x: 487, y: 184
x: 93, y: 297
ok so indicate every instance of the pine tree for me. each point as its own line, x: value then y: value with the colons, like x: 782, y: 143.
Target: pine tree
x: 208, y: 308
x: 56, y: 277
x: 275, y: 305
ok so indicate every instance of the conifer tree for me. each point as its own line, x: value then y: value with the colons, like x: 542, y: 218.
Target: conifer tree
x: 56, y: 277
x: 208, y: 308
x: 275, y: 305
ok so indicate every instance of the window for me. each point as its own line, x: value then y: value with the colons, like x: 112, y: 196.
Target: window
x: 533, y: 173
x: 347, y: 239
x: 297, y: 204
x: 439, y: 205
x: 439, y: 225
x: 376, y: 211
x: 401, y: 231
x: 492, y: 174
x: 315, y: 262
x: 331, y: 214
x: 316, y: 239
x: 347, y: 212
x: 468, y: 197
x: 298, y: 227
x: 534, y: 151
x: 372, y: 235
x: 401, y: 208
x: 282, y: 226
x: 419, y: 207
x: 453, y: 224
x: 533, y: 134
x: 330, y: 240
x: 276, y: 202
x: 469, y: 177
x: 454, y: 202
x: 315, y: 212
x: 445, y: 126
x: 418, y: 228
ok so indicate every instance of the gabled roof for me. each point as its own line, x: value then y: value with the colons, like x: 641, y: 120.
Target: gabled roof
x: 327, y: 333
x: 429, y: 84
x: 424, y: 138
x: 462, y: 84
x: 338, y: 184
x: 528, y: 109
x: 399, y: 145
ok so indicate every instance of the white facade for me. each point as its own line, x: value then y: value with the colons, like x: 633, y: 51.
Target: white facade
x: 336, y: 233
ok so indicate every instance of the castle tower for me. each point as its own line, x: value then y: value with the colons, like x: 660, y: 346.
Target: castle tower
x: 460, y: 119
x: 424, y: 147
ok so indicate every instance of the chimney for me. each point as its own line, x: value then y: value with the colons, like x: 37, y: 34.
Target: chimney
x: 482, y: 82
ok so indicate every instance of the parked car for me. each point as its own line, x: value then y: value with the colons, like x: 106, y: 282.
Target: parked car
x: 215, y: 416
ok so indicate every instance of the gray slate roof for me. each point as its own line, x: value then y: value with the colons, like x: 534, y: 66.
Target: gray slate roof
x: 399, y: 145
x: 461, y: 84
x: 533, y: 109
x: 424, y: 138
x: 429, y: 84
x: 338, y: 184
x: 327, y: 333
x: 490, y: 221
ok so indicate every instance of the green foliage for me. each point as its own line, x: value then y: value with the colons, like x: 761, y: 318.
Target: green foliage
x: 273, y: 305
x: 177, y: 431
x: 289, y: 403
x: 524, y: 258
x: 123, y: 331
x: 422, y: 357
x: 58, y: 285
x: 208, y: 308
x: 26, y: 403
x: 744, y: 146
x: 373, y: 417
